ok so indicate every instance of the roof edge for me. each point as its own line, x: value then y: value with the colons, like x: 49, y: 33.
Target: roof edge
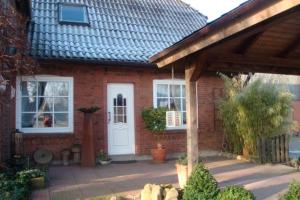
x: 223, y: 20
x: 105, y: 63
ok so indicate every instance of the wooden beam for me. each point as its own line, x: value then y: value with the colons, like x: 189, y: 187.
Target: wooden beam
x: 191, y: 115
x: 290, y: 48
x: 246, y: 45
x: 258, y: 18
x: 256, y: 60
x: 200, y: 64
x: 244, y: 68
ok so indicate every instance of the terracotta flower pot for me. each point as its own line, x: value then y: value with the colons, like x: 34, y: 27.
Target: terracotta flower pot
x: 182, y: 173
x: 159, y: 155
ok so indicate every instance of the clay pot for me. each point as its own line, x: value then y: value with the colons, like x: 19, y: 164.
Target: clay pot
x: 182, y: 173
x: 159, y: 155
x: 37, y: 183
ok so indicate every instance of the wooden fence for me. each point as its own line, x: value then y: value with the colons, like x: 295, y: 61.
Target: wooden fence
x: 274, y: 149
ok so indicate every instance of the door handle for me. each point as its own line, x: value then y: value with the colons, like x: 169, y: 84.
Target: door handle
x: 109, y: 117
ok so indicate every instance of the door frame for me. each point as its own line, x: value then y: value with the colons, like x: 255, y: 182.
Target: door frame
x: 133, y: 143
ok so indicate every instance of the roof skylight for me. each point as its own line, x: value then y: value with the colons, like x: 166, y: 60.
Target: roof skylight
x: 73, y: 13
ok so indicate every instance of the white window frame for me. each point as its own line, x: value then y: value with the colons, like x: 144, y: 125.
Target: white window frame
x: 169, y: 82
x: 69, y: 129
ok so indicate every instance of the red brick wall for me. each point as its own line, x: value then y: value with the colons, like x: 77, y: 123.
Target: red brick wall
x: 6, y: 126
x: 90, y: 84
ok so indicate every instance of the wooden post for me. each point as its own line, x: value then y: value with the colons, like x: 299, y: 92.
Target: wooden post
x: 273, y: 150
x: 191, y: 115
x: 258, y: 149
x: 286, y: 148
x: 263, y: 150
x: 277, y: 149
x: 282, y: 152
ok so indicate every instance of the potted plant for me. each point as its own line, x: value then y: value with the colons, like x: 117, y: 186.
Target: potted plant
x: 103, y: 158
x: 155, y: 121
x: 35, y: 177
x: 182, y: 170
x: 88, y: 150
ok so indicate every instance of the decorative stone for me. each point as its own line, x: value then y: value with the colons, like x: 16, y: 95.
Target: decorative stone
x: 239, y: 157
x: 146, y: 192
x: 156, y: 193
x: 171, y: 194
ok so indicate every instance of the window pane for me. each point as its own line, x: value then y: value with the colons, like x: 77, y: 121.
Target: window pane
x: 28, y: 120
x: 162, y: 102
x: 175, y: 104
x: 162, y: 90
x: 175, y: 91
x: 61, y: 88
x: 61, y: 120
x: 120, y: 100
x: 119, y: 118
x: 183, y: 90
x: 72, y: 13
x: 45, y: 88
x: 45, y: 120
x: 183, y: 105
x: 28, y: 88
x: 184, y: 117
x: 61, y: 104
x: 29, y: 104
x: 119, y: 110
x: 45, y: 104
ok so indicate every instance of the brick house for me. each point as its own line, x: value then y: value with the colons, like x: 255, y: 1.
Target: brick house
x: 14, y: 12
x: 95, y: 53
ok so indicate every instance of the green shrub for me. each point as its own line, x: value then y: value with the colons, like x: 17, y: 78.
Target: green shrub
x: 17, y: 187
x: 201, y: 185
x: 235, y: 193
x: 255, y: 111
x: 155, y: 119
x: 293, y: 193
x: 12, y: 189
x: 24, y: 176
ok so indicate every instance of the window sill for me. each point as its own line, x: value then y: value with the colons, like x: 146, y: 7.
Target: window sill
x: 41, y: 134
x: 176, y: 130
x: 41, y: 131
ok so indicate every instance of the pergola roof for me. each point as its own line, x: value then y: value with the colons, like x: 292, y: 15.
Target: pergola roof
x: 258, y: 36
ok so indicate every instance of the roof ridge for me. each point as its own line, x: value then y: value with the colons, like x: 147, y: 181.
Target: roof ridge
x: 191, y: 7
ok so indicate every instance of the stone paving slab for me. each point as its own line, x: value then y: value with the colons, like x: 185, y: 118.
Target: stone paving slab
x: 77, y: 183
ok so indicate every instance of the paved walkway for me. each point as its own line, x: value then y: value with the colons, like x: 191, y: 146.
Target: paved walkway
x: 72, y: 183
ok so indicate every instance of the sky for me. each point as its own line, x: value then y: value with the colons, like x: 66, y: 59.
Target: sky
x: 214, y: 8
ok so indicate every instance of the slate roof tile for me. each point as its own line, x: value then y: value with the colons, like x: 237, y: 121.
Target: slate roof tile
x: 119, y: 30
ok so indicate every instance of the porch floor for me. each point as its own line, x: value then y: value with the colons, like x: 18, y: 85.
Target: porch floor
x: 77, y: 183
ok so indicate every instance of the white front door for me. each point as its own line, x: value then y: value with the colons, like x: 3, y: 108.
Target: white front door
x: 120, y: 110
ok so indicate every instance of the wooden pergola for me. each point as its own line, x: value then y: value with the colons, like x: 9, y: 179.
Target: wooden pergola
x: 259, y: 36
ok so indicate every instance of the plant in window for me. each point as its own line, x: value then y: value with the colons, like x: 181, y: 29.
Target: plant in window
x: 155, y: 121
